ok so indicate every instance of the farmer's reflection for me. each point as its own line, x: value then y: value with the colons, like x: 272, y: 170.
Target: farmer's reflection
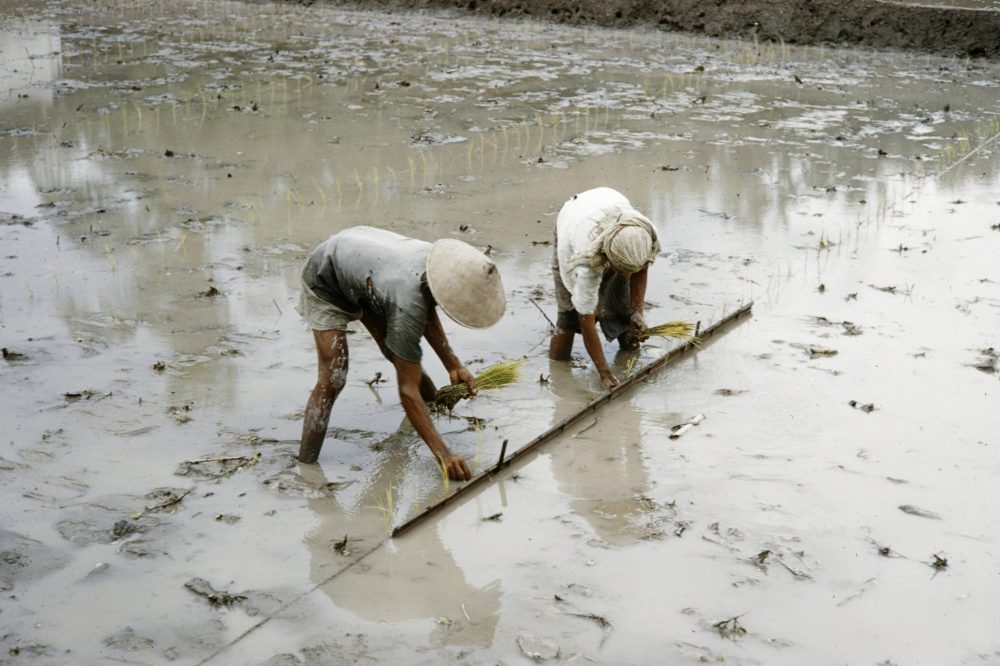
x: 409, y: 579
x: 601, y: 466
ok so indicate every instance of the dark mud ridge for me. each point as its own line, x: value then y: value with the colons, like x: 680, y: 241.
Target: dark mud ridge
x: 876, y: 23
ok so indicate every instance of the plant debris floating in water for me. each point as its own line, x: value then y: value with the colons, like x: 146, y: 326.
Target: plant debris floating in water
x: 215, y: 598
x: 496, y: 376
x: 730, y: 628
x: 10, y: 355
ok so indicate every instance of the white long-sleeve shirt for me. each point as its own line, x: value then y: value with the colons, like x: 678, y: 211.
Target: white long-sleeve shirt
x: 580, y: 222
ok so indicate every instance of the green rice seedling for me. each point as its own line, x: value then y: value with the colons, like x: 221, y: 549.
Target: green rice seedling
x: 254, y: 212
x: 630, y: 364
x: 387, y: 509
x: 443, y: 471
x: 964, y: 143
x: 680, y: 330
x: 496, y: 376
x: 204, y: 110
x: 412, y: 170
x: 319, y: 189
x: 479, y: 447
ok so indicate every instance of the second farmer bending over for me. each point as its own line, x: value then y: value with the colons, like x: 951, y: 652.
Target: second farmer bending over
x: 603, y: 249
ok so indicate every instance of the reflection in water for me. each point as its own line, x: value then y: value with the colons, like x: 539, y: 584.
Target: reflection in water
x: 140, y: 168
x: 31, y: 54
x: 167, y: 168
x: 427, y: 585
x: 601, y: 465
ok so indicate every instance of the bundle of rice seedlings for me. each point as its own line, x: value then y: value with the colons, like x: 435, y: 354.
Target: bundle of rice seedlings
x: 682, y: 330
x: 496, y: 376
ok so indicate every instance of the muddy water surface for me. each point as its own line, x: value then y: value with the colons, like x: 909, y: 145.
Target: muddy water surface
x: 166, y: 167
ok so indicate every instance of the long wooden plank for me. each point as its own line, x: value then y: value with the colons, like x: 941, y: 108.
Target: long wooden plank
x: 593, y: 406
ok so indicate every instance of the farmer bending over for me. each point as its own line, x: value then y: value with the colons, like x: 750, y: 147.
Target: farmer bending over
x: 603, y: 248
x: 392, y: 284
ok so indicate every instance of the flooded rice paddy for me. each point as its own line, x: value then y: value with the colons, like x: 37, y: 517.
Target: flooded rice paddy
x: 165, y: 167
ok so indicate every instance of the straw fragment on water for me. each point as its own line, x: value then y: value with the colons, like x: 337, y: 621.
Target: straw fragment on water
x: 682, y: 428
x: 496, y: 376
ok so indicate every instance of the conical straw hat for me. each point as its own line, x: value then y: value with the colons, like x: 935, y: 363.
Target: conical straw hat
x: 465, y: 283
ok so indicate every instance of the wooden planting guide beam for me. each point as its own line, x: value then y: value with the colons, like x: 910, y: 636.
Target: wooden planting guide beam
x: 557, y: 429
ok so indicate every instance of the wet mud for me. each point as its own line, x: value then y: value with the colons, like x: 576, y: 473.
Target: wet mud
x: 825, y: 469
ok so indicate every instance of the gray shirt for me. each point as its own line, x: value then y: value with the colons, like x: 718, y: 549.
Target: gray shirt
x: 368, y: 270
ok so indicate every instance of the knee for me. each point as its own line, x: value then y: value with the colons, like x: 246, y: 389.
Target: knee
x: 330, y: 384
x: 337, y: 380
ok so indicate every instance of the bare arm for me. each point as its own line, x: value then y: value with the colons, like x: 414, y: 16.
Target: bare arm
x: 409, y: 376
x: 434, y: 332
x: 637, y: 296
x: 592, y: 343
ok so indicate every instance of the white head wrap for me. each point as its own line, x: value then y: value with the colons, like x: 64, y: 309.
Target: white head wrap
x: 628, y: 244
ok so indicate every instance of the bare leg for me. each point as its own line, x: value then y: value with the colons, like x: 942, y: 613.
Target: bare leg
x: 331, y: 357
x: 561, y: 344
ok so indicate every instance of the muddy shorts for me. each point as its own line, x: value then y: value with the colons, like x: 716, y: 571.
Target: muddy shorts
x: 322, y: 315
x: 614, y: 312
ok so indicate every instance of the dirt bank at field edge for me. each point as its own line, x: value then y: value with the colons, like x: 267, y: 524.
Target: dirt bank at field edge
x: 875, y: 23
